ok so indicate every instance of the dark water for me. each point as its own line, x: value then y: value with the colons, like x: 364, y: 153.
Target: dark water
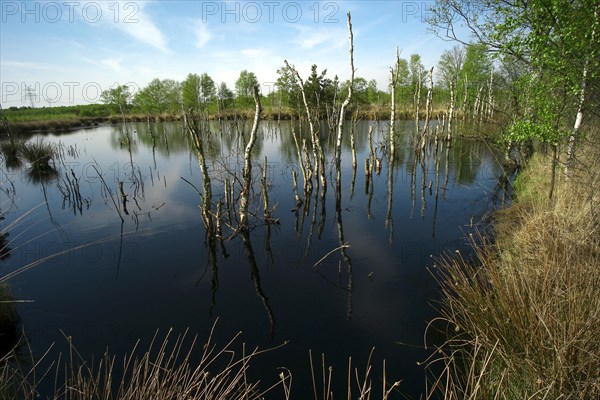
x: 157, y: 269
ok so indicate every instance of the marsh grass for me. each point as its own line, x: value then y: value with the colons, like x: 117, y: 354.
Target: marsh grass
x: 11, y: 150
x: 164, y: 370
x: 39, y: 154
x: 9, y: 321
x: 523, y: 317
x: 359, y: 381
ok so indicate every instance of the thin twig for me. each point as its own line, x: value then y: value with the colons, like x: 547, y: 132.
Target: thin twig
x: 344, y: 246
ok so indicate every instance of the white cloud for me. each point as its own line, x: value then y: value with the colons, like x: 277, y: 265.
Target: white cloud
x: 310, y: 37
x: 255, y: 52
x: 112, y: 63
x: 22, y: 65
x: 129, y: 18
x: 145, y: 30
x: 203, y: 35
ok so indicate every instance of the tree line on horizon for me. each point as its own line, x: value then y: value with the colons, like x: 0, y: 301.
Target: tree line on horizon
x: 470, y: 66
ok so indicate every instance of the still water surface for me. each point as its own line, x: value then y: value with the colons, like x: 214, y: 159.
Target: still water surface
x: 156, y: 270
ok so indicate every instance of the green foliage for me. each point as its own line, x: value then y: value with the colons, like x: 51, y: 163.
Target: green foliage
x: 547, y: 43
x: 244, y: 86
x: 477, y: 65
x: 197, y: 92
x: 524, y: 129
x: 118, y: 98
x: 322, y: 91
x: 158, y: 97
x: 541, y: 119
x: 288, y: 90
x: 403, y: 72
x: 19, y: 114
x: 208, y: 89
x: 416, y: 69
x: 190, y: 89
x: 364, y: 92
x: 450, y: 66
x: 225, y: 96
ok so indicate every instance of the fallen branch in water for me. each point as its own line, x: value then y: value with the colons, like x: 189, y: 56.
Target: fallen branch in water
x: 344, y: 246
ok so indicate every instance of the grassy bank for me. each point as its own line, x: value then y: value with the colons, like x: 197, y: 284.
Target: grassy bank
x: 523, y: 317
x: 24, y: 120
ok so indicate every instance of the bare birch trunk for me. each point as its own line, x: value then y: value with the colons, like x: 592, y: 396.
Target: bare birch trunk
x: 418, y: 99
x: 572, y: 142
x: 490, y: 103
x: 353, y: 138
x: 451, y: 111
x: 429, y: 109
x: 317, y: 150
x: 340, y: 127
x: 393, y: 83
x: 247, y: 171
x: 465, y: 98
x: 477, y: 101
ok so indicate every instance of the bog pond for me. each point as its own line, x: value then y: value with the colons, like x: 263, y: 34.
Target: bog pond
x: 337, y: 274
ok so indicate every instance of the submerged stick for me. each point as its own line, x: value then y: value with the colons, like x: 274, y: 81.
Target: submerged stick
x: 109, y: 192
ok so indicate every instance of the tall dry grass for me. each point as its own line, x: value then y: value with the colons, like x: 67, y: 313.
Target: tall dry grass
x: 523, y: 316
x: 164, y: 370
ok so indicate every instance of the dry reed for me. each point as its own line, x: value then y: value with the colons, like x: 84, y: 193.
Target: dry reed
x: 523, y: 317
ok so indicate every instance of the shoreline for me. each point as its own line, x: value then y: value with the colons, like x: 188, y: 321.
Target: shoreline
x: 67, y: 124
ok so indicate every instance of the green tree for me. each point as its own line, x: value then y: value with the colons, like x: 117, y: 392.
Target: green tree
x: 404, y: 72
x: 288, y: 90
x: 557, y: 39
x: 450, y: 66
x: 416, y: 69
x: 208, y: 89
x: 157, y: 97
x: 404, y: 83
x: 477, y: 64
x: 244, y: 86
x: 319, y: 90
x: 224, y: 96
x: 363, y: 91
x: 372, y: 92
x: 190, y: 89
x: 118, y: 98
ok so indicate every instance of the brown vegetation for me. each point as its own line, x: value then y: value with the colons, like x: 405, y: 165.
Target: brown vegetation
x: 523, y: 317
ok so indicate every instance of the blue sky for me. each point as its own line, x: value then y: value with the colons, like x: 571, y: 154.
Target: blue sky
x: 68, y: 51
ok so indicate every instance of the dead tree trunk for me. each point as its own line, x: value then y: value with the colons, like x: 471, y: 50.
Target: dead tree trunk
x: 355, y: 120
x: 317, y: 149
x: 429, y: 109
x: 451, y: 110
x: 393, y: 83
x: 247, y: 171
x: 340, y: 127
x: 418, y: 99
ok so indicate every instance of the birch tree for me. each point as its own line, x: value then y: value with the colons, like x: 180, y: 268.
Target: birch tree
x: 556, y: 39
